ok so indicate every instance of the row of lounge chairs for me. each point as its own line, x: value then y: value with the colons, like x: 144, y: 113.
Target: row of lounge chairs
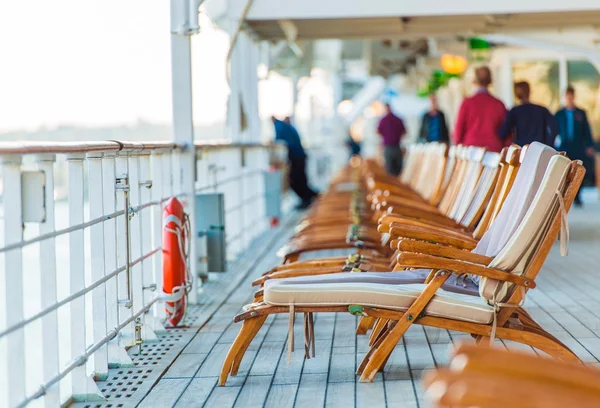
x: 455, y: 243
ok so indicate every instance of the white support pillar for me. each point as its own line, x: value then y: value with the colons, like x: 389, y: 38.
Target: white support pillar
x: 182, y: 13
x: 99, y: 328
x: 48, y: 285
x: 83, y: 387
x: 563, y: 77
x: 12, y: 348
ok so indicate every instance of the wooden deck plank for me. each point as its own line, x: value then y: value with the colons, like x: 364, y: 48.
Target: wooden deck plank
x: 311, y: 392
x: 340, y: 394
x: 165, y: 393
x: 254, y: 392
x: 281, y: 396
x: 197, y: 392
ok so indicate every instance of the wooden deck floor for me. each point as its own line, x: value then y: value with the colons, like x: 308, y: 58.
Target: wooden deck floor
x: 566, y: 302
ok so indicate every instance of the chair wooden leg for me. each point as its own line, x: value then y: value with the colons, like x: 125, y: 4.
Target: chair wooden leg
x: 364, y: 324
x: 379, y: 326
x: 249, y: 329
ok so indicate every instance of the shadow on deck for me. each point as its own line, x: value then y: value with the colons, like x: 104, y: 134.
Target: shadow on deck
x: 182, y: 369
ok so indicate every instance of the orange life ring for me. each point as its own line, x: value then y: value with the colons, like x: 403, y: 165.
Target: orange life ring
x: 175, y: 279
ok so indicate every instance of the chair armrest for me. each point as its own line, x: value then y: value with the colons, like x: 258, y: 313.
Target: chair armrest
x: 413, y: 260
x: 427, y: 248
x: 430, y: 235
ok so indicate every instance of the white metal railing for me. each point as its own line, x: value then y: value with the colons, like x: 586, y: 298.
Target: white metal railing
x: 77, y: 285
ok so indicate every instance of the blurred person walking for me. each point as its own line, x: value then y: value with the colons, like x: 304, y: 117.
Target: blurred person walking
x: 433, y: 124
x: 481, y: 116
x: 391, y: 130
x: 528, y: 122
x: 574, y: 133
x: 288, y: 134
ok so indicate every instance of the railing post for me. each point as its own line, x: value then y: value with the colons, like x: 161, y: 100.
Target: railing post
x: 151, y: 286
x: 117, y: 356
x: 158, y: 183
x: 12, y: 349
x: 135, y: 243
x: 83, y: 387
x: 47, y: 249
x: 123, y: 257
x: 99, y: 327
x: 187, y: 185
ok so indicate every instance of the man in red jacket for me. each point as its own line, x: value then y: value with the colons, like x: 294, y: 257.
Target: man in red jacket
x: 481, y: 116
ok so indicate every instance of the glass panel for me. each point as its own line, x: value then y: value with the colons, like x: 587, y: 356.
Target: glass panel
x: 543, y: 80
x: 584, y: 77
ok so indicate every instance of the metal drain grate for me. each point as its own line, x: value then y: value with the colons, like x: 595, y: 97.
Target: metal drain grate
x: 124, y: 383
x: 154, y: 354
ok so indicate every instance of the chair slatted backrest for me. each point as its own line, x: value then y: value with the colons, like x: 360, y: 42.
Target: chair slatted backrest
x: 447, y: 177
x: 438, y: 166
x: 467, y: 187
x: 456, y: 180
x: 524, y: 246
x: 506, y: 177
x: 484, y: 188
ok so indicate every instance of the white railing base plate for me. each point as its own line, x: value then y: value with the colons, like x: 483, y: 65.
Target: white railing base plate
x: 118, y: 357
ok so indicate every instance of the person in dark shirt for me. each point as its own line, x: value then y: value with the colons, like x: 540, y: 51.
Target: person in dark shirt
x: 575, y: 134
x: 353, y: 145
x: 528, y: 122
x: 287, y: 134
x: 391, y: 129
x: 433, y: 124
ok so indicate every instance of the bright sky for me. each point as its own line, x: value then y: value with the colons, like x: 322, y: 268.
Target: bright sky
x: 99, y: 62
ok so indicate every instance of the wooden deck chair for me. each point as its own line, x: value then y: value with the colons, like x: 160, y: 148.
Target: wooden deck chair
x: 493, y: 377
x: 492, y: 180
x: 291, y: 252
x: 496, y: 312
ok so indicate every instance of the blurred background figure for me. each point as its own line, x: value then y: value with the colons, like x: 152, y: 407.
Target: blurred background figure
x: 433, y: 124
x: 528, y: 122
x: 481, y: 116
x: 286, y: 133
x: 391, y: 129
x: 574, y: 133
x: 353, y: 145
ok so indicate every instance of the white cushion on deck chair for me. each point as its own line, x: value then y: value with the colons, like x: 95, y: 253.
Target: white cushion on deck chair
x: 395, y: 297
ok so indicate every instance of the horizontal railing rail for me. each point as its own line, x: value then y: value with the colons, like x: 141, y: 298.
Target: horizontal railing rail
x: 96, y: 274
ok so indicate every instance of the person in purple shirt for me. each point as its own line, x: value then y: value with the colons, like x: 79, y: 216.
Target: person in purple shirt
x: 391, y: 129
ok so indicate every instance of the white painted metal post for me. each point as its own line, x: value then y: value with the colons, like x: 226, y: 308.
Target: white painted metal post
x: 83, y: 387
x: 117, y: 356
x: 158, y: 178
x: 151, y: 287
x: 11, y: 289
x: 135, y: 228
x: 563, y: 77
x: 48, y: 286
x: 183, y: 122
x: 99, y: 328
x: 123, y: 256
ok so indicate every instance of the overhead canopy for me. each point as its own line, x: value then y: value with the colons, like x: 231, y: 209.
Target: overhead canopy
x: 317, y: 19
x: 420, y: 26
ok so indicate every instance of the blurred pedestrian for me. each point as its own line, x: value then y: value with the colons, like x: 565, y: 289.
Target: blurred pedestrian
x: 481, y: 116
x: 391, y: 129
x: 287, y: 134
x: 574, y: 133
x: 433, y: 124
x: 528, y: 122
